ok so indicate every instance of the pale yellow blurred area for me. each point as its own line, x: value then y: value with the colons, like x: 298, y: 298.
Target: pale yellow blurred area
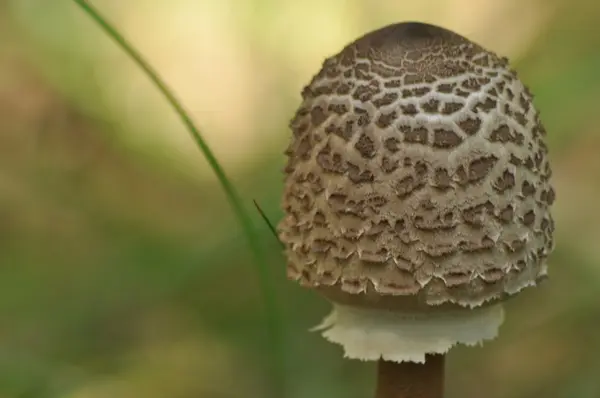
x: 227, y: 59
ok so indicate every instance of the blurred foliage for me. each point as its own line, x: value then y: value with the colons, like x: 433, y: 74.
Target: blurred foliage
x: 123, y: 273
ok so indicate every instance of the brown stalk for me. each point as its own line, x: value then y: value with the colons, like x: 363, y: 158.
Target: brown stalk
x: 411, y: 380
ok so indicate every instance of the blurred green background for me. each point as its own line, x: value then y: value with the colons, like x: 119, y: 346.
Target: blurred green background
x: 123, y: 272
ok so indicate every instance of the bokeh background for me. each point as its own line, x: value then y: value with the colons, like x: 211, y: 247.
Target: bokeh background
x: 123, y: 272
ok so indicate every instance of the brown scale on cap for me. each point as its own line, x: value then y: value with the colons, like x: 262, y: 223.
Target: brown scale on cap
x: 417, y: 168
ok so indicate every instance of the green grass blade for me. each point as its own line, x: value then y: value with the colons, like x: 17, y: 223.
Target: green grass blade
x: 266, y: 281
x: 268, y: 222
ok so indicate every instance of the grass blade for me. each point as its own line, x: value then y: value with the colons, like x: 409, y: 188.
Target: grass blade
x: 269, y: 224
x: 266, y: 281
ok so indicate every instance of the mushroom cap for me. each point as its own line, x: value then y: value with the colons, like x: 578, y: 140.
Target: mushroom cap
x: 417, y: 175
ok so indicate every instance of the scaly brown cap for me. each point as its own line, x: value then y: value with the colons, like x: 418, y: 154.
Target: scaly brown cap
x: 417, y: 172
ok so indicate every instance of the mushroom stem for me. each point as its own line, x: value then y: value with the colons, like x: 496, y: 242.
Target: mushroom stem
x: 410, y: 379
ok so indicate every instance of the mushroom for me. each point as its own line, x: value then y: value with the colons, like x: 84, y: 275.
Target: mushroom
x: 417, y: 198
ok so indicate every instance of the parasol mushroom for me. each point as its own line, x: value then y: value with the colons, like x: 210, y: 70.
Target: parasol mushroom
x: 417, y: 198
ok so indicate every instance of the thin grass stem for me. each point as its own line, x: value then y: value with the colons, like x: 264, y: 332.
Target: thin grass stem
x: 266, y: 281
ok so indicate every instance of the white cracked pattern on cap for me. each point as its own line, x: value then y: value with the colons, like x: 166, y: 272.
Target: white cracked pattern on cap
x: 417, y: 167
